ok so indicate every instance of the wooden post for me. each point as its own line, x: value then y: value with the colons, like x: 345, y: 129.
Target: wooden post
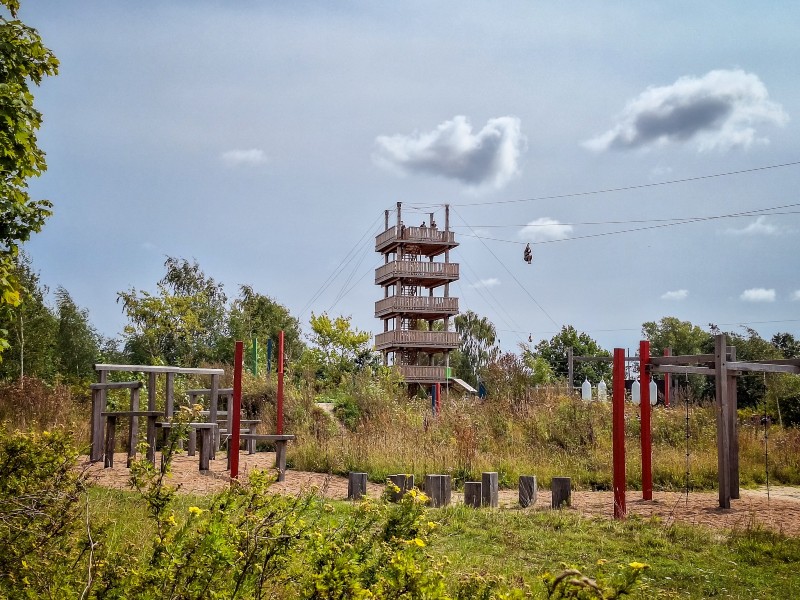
x: 356, y: 485
x: 213, y: 401
x: 438, y: 396
x: 667, y: 380
x: 647, y: 448
x: 98, y: 406
x: 723, y: 423
x: 111, y: 428
x: 570, y: 370
x: 280, y: 459
x: 279, y: 427
x: 438, y: 489
x: 527, y: 490
x: 733, y: 433
x: 133, y: 428
x: 403, y: 481
x: 489, y: 492
x: 473, y: 493
x: 618, y: 433
x: 562, y: 492
x: 207, y: 440
x: 169, y: 402
x: 234, y: 411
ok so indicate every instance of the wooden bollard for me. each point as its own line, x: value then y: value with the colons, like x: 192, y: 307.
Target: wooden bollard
x: 356, y: 485
x: 527, y: 490
x: 438, y: 488
x: 489, y: 492
x: 562, y: 492
x: 403, y: 481
x: 472, y: 493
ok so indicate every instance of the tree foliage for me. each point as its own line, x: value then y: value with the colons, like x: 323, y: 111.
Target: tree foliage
x: 183, y: 323
x: 554, y: 352
x: 339, y: 348
x: 258, y: 315
x: 478, y: 346
x: 77, y: 342
x: 24, y: 60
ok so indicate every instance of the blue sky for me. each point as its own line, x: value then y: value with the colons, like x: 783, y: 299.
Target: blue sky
x: 266, y: 139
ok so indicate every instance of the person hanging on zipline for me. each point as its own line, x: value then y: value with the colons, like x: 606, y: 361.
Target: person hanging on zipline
x: 528, y: 255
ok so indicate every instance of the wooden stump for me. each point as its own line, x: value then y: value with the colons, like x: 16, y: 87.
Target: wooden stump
x: 527, y: 490
x: 562, y: 492
x: 438, y: 489
x: 403, y: 481
x: 489, y: 491
x: 472, y: 493
x: 356, y: 485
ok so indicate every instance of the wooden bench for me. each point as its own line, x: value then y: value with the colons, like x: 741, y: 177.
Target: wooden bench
x: 280, y: 442
x: 207, y: 431
x: 111, y: 434
x: 99, y: 391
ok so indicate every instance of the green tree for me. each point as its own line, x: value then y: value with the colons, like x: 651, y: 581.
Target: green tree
x: 478, y: 346
x: 554, y: 352
x: 681, y: 336
x: 257, y: 315
x: 786, y: 344
x: 184, y: 323
x: 24, y: 60
x: 77, y: 342
x: 31, y: 327
x: 339, y: 348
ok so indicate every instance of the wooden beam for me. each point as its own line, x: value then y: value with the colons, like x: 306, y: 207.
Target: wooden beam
x: 157, y: 369
x: 116, y: 385
x: 764, y: 367
x: 682, y: 369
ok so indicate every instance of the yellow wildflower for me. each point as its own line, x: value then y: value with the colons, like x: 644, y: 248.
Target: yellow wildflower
x: 195, y: 510
x: 419, y: 542
x: 638, y: 565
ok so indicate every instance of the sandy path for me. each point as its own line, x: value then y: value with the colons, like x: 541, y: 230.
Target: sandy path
x: 779, y: 512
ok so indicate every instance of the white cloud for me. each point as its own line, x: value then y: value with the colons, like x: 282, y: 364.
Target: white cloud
x: 675, y: 295
x: 486, y: 283
x: 251, y: 157
x: 758, y: 295
x: 545, y: 229
x: 796, y: 295
x: 487, y: 158
x: 718, y: 110
x: 757, y: 227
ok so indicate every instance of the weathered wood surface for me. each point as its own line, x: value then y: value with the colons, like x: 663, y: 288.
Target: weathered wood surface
x: 158, y: 369
x: 489, y: 489
x: 562, y: 492
x: 438, y: 488
x: 405, y: 483
x: 473, y: 493
x: 723, y: 426
x: 528, y: 490
x: 116, y: 385
x: 356, y: 485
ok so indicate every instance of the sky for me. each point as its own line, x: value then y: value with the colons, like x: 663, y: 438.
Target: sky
x: 266, y: 139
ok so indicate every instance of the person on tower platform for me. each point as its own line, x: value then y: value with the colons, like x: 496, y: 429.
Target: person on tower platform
x: 528, y: 255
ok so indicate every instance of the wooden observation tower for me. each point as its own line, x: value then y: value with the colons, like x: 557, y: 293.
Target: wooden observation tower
x: 416, y: 308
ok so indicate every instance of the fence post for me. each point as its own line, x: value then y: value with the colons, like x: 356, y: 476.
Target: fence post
x: 527, y: 490
x: 489, y: 493
x: 723, y: 425
x: 562, y: 492
x: 618, y: 433
x: 472, y: 493
x: 234, y: 411
x: 647, y: 448
x: 356, y: 485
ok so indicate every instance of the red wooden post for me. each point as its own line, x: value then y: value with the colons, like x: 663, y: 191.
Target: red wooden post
x: 438, y: 398
x: 279, y: 430
x: 233, y: 448
x: 618, y: 432
x: 647, y: 451
x: 667, y: 382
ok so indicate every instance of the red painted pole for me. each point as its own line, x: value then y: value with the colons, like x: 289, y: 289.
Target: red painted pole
x: 280, y: 384
x: 438, y: 398
x: 647, y: 448
x: 618, y: 432
x: 667, y: 382
x: 233, y: 444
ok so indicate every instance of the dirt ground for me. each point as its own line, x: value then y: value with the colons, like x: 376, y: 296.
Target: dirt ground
x: 780, y: 511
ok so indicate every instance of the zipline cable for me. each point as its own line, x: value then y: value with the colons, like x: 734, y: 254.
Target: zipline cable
x: 625, y: 188
x: 536, y: 302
